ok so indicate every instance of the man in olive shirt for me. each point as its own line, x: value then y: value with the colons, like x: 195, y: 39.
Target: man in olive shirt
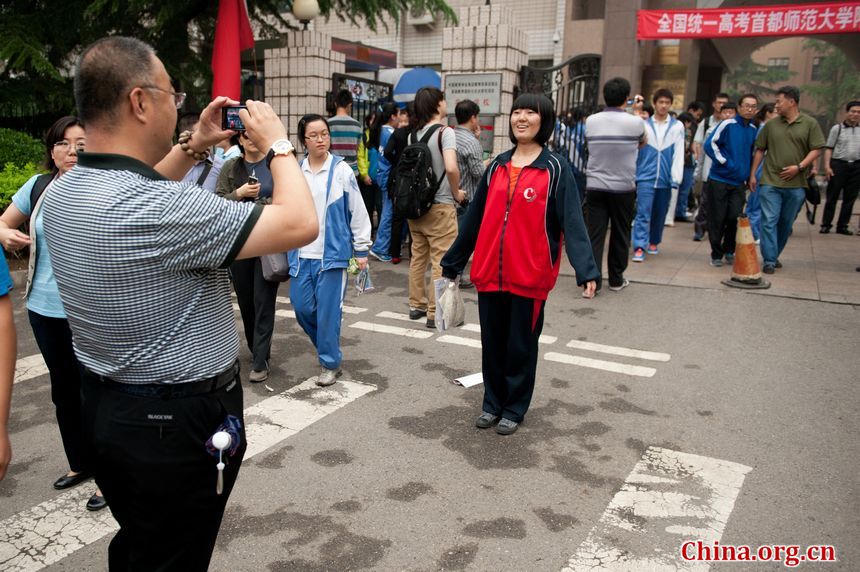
x: 793, y: 142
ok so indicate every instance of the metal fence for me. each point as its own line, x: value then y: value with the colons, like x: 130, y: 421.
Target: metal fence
x: 367, y: 94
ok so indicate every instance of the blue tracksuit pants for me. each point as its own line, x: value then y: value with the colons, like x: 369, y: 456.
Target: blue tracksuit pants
x: 383, y: 231
x: 684, y: 193
x: 651, y: 207
x: 317, y: 298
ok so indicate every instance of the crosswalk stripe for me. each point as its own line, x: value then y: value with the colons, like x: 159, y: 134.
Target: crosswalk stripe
x: 285, y: 313
x: 283, y: 299
x: 353, y: 310
x: 543, y: 339
x: 29, y: 367
x: 384, y: 329
x: 394, y: 316
x: 668, y: 499
x: 459, y: 340
x: 618, y: 351
x: 612, y: 366
x: 48, y: 532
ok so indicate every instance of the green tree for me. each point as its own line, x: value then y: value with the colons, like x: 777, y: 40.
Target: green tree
x: 837, y: 81
x: 40, y: 39
x: 752, y: 77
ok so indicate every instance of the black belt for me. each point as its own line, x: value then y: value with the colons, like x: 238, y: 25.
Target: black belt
x: 171, y: 390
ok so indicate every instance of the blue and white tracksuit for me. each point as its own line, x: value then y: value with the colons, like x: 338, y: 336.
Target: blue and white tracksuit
x: 659, y: 169
x: 318, y: 270
x: 383, y: 169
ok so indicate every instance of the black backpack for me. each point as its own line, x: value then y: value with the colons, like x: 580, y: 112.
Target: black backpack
x: 39, y: 187
x: 414, y: 183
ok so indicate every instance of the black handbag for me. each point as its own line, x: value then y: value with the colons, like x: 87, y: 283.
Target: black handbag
x: 813, y: 191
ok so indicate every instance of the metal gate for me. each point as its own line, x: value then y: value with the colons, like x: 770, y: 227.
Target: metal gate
x: 367, y: 94
x: 573, y: 88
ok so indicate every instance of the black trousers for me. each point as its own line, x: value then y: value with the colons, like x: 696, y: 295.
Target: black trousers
x: 614, y: 209
x: 152, y: 466
x: 371, y: 195
x: 725, y: 205
x: 510, y: 328
x: 846, y: 178
x: 55, y: 343
x: 700, y: 222
x: 397, y: 223
x: 256, y: 297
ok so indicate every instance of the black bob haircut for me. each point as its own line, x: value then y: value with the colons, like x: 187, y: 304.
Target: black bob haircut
x: 303, y: 125
x: 540, y: 104
x: 55, y: 134
x: 616, y: 91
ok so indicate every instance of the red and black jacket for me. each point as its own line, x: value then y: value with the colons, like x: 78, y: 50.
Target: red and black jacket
x: 517, y: 241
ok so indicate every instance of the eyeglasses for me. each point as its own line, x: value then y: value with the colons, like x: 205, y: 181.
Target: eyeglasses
x: 178, y: 96
x: 63, y: 146
x: 318, y: 136
x: 749, y: 106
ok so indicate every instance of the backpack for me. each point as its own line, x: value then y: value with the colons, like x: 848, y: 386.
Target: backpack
x: 414, y: 183
x: 38, y: 188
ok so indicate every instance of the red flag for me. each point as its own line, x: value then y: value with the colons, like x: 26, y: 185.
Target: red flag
x: 232, y: 35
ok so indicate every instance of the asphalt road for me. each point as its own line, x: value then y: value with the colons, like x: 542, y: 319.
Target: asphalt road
x: 747, y: 435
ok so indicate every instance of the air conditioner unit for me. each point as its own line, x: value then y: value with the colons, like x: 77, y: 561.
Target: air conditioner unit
x: 421, y: 19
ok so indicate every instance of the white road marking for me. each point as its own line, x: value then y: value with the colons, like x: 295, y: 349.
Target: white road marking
x: 612, y: 366
x: 283, y: 299
x: 394, y: 316
x: 48, y: 532
x: 383, y: 329
x: 543, y: 339
x: 669, y: 498
x: 618, y: 351
x: 353, y: 310
x: 285, y: 313
x: 459, y: 340
x: 29, y: 367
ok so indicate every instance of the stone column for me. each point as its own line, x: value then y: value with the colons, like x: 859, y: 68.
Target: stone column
x: 487, y: 41
x: 298, y: 75
x: 620, y: 47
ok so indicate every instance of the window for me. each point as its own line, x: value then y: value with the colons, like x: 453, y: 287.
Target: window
x: 816, y: 69
x: 777, y: 64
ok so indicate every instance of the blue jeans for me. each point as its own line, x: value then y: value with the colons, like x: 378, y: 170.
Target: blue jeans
x: 684, y: 192
x: 651, y: 207
x: 779, y: 208
x: 754, y: 214
x: 317, y: 298
x: 383, y: 231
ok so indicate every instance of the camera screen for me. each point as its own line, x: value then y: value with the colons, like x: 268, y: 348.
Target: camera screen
x: 231, y: 119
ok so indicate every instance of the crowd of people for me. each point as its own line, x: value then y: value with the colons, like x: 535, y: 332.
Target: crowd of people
x: 141, y: 383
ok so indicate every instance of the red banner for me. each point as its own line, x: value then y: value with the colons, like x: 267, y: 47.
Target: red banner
x: 232, y: 35
x: 750, y: 21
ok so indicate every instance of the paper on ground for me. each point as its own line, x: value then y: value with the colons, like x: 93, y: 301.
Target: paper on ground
x: 470, y: 380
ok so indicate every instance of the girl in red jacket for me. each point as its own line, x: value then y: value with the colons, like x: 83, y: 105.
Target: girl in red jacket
x: 526, y: 205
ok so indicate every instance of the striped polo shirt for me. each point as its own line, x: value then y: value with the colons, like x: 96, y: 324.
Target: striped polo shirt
x: 613, y: 137
x: 141, y: 262
x: 844, y: 139
x: 345, y: 137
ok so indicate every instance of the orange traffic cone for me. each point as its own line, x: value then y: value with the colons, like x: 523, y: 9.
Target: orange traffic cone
x: 746, y: 272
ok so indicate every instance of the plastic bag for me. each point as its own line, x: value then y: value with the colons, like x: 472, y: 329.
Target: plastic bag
x: 450, y: 309
x: 363, y: 283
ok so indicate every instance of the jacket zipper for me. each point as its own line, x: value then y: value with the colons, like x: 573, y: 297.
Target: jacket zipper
x: 505, y: 226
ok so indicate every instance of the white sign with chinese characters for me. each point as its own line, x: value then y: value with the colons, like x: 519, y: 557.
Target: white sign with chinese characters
x: 485, y: 89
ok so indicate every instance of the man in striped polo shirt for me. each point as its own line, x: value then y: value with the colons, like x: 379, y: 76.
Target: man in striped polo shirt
x: 345, y: 131
x: 140, y: 261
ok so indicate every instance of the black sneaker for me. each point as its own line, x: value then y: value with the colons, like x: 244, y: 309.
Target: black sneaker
x: 507, y: 427
x: 416, y: 314
x: 768, y: 269
x: 844, y: 231
x: 824, y: 230
x: 431, y: 323
x: 486, y: 420
x: 778, y: 264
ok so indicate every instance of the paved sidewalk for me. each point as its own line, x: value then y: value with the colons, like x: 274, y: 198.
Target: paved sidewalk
x: 815, y: 266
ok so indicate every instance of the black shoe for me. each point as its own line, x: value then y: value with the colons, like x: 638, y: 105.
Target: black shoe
x: 431, y: 323
x: 778, y: 264
x: 824, y: 230
x: 697, y: 238
x: 844, y: 231
x: 507, y: 427
x: 417, y: 314
x: 68, y: 481
x: 96, y: 502
x: 768, y: 269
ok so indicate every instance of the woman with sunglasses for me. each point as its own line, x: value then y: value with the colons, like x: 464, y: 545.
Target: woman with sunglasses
x: 48, y: 320
x: 525, y: 211
x: 318, y: 270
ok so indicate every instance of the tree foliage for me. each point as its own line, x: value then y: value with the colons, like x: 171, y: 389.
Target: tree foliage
x: 40, y: 39
x: 752, y: 77
x: 838, y: 81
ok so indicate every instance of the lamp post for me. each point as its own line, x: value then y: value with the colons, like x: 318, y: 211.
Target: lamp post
x: 305, y: 11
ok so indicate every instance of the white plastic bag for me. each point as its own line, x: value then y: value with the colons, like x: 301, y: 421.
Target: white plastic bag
x: 450, y: 309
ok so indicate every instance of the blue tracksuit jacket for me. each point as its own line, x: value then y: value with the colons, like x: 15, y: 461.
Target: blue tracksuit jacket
x: 347, y: 226
x: 730, y: 147
x: 661, y: 161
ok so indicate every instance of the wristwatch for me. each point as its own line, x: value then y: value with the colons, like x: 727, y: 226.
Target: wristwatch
x: 279, y: 147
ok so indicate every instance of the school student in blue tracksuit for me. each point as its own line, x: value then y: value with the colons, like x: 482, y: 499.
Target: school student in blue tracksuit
x: 389, y: 118
x: 730, y: 147
x: 659, y: 169
x: 318, y: 270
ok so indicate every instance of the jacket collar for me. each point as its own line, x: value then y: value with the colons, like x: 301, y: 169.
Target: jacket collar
x: 542, y: 161
x: 113, y: 162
